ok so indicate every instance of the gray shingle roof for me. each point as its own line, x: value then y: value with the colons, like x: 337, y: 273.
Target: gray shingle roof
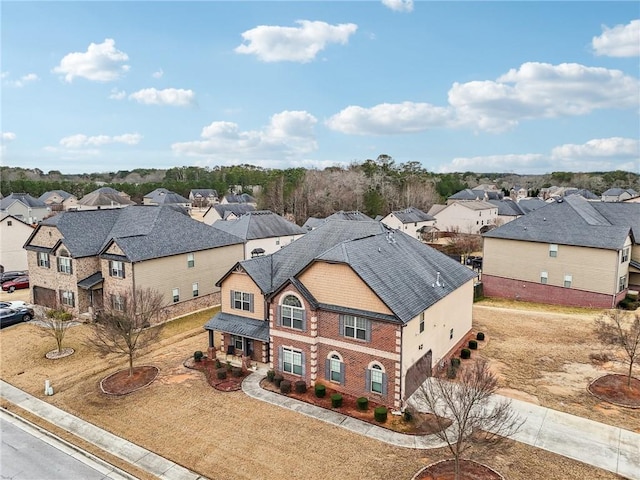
x: 242, y: 198
x: 162, y: 196
x: 237, y: 209
x: 236, y: 325
x: 259, y: 224
x: 507, y: 207
x: 352, y: 215
x: 23, y: 198
x: 203, y: 192
x: 530, y: 204
x: 575, y: 221
x: 61, y: 193
x: 105, y: 196
x: 412, y: 215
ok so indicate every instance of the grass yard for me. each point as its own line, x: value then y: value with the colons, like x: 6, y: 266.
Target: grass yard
x: 229, y: 435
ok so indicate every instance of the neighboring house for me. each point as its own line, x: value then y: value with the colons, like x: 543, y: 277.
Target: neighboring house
x: 24, y: 206
x: 13, y: 233
x: 571, y: 252
x: 584, y: 193
x: 517, y: 192
x: 243, y: 198
x: 468, y: 216
x: 475, y: 194
x: 354, y: 305
x: 104, y: 198
x: 84, y: 260
x: 530, y: 204
x: 619, y: 195
x: 203, y: 197
x: 162, y: 196
x: 263, y: 232
x: 229, y: 211
x: 353, y: 215
x: 411, y: 221
x: 59, y: 200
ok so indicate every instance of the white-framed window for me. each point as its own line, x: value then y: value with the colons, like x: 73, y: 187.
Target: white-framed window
x: 242, y: 301
x: 553, y: 250
x: 376, y: 379
x: 421, y: 322
x: 118, y: 303
x: 291, y: 360
x: 334, y: 368
x: 568, y: 279
x: 65, y: 265
x: 237, y: 342
x: 292, y: 313
x: 622, y: 283
x: 43, y: 260
x: 116, y: 269
x: 194, y: 290
x: 544, y: 277
x: 625, y: 255
x: 67, y: 298
x: 176, y: 295
x: 191, y: 260
x: 355, y: 327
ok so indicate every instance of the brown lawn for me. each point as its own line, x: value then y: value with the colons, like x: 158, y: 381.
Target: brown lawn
x: 229, y: 435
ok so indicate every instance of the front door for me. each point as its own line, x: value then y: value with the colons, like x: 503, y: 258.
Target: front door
x: 248, y: 348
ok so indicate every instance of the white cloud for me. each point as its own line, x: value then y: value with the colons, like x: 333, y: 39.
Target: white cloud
x: 117, y: 94
x: 175, y: 97
x: 7, y: 136
x: 388, y: 119
x: 288, y: 136
x: 399, y: 5
x: 80, y: 140
x: 293, y: 44
x: 22, y: 81
x: 602, y: 154
x: 158, y: 74
x: 619, y: 41
x: 101, y: 62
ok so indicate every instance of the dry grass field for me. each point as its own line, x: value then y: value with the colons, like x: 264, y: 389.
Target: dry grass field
x: 229, y: 435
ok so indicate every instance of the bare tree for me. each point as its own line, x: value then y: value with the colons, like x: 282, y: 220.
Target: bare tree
x: 621, y: 330
x: 469, y: 404
x: 55, y: 325
x: 463, y: 244
x: 124, y: 327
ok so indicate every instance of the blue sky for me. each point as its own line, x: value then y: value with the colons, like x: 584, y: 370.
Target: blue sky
x: 522, y: 87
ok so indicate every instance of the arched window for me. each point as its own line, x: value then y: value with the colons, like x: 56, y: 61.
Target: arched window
x: 334, y: 368
x: 64, y: 262
x: 292, y: 313
x: 376, y: 379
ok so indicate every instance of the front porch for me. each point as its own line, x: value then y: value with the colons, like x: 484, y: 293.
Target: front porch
x: 241, y: 340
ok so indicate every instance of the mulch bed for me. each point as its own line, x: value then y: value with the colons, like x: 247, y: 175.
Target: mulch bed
x: 469, y: 470
x: 420, y: 424
x: 121, y: 383
x: 613, y: 388
x: 209, y: 368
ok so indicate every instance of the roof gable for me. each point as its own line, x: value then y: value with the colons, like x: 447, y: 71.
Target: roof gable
x: 259, y: 224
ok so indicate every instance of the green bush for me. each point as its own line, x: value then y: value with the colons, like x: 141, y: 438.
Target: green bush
x: 480, y: 336
x: 363, y: 403
x: 218, y: 364
x: 455, y: 362
x: 221, y: 373
x: 197, y: 355
x: 236, y: 371
x: 270, y: 375
x: 407, y: 415
x: 465, y: 353
x: 229, y: 366
x: 277, y: 379
x: 301, y: 386
x: 452, y: 372
x: 380, y: 414
x: 473, y: 345
x: 336, y: 400
x: 320, y: 390
x: 285, y: 386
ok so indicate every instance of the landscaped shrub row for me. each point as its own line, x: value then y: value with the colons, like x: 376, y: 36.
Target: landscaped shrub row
x: 480, y: 336
x: 465, y: 353
x: 380, y: 414
x: 301, y: 386
x: 363, y: 403
x: 320, y: 390
x: 473, y: 345
x: 336, y: 400
x: 285, y: 386
x: 270, y: 375
x: 277, y: 379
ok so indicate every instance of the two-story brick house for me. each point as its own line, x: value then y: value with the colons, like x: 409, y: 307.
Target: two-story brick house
x: 84, y: 259
x: 352, y: 304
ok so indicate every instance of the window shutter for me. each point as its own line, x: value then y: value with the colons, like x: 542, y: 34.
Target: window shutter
x: 342, y: 373
x: 384, y: 384
x: 304, y: 320
x: 231, y: 299
x: 280, y: 359
x: 327, y: 369
x: 367, y: 330
x: 251, y: 302
x: 70, y: 266
x: 124, y: 268
x: 279, y: 315
x: 58, y: 263
x: 367, y: 385
x: 341, y: 323
x: 304, y: 364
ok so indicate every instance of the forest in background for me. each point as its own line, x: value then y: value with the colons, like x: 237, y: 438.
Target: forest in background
x: 375, y: 187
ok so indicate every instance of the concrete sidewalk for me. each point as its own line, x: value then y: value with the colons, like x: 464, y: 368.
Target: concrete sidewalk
x: 127, y: 451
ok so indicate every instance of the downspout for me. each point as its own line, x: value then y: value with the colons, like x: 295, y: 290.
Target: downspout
x: 402, y: 383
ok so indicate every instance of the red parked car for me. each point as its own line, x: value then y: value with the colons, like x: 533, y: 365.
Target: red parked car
x: 16, y: 284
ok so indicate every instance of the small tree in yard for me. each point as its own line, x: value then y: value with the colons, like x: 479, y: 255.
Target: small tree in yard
x: 122, y: 329
x: 55, y: 324
x: 621, y: 330
x: 468, y: 403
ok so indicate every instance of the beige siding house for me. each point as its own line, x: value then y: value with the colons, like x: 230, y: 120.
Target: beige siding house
x: 465, y: 216
x: 412, y: 221
x: 87, y: 260
x: 22, y: 205
x: 59, y: 200
x: 13, y: 235
x: 572, y: 252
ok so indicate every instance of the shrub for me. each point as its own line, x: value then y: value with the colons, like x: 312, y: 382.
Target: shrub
x: 285, y: 386
x: 221, y: 373
x: 455, y: 362
x: 336, y: 400
x: 320, y: 390
x: 480, y: 336
x: 197, y: 355
x: 407, y: 415
x: 301, y: 386
x: 363, y: 403
x: 237, y: 371
x: 270, y: 375
x: 380, y: 414
x: 218, y: 364
x: 229, y: 366
x: 465, y: 353
x: 452, y: 372
x: 277, y: 379
x: 473, y: 345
